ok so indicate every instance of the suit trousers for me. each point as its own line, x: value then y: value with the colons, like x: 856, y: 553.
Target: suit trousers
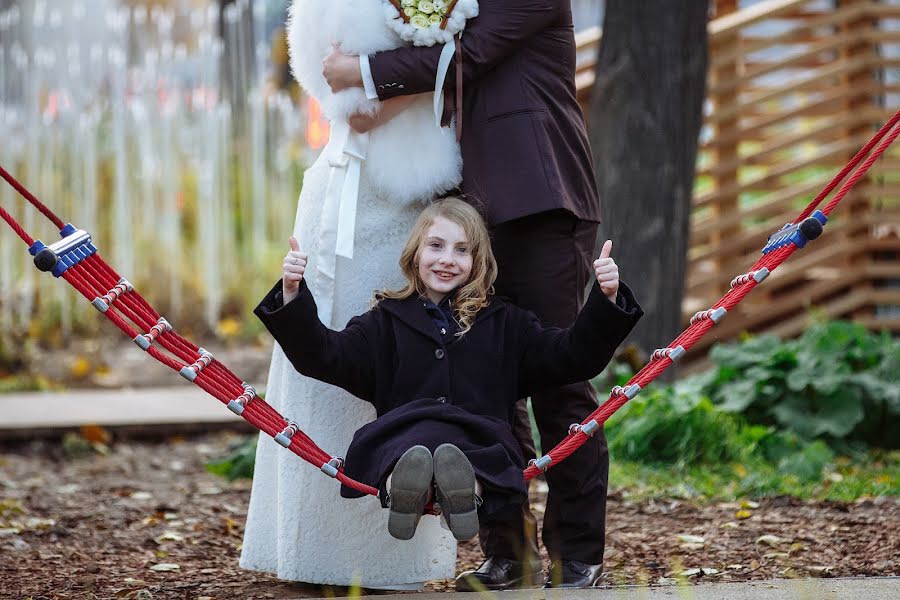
x: 545, y: 265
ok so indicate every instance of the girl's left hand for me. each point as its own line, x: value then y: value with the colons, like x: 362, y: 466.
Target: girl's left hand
x: 607, y: 272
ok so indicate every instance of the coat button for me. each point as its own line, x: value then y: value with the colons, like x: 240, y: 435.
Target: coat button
x: 439, y: 354
x: 442, y: 400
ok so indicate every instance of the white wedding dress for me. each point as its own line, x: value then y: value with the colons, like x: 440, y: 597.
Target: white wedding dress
x: 298, y: 526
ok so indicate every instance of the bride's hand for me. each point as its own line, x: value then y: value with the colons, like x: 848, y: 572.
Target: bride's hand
x: 390, y: 108
x: 363, y: 122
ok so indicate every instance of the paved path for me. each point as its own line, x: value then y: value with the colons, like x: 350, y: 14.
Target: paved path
x: 871, y: 588
x: 185, y: 404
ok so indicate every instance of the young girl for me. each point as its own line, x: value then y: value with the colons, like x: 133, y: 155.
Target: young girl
x: 444, y: 362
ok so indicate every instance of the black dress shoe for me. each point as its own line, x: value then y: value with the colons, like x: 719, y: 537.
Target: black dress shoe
x: 573, y: 574
x: 498, y: 573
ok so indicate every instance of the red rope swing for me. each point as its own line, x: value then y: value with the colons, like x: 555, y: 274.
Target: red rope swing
x: 76, y: 260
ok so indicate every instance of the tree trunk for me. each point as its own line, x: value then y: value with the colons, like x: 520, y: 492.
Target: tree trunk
x: 645, y: 119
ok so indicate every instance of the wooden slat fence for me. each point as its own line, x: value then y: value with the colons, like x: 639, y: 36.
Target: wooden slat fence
x: 795, y: 88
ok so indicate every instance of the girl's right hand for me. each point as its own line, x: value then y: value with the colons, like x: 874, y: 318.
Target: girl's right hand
x: 294, y: 268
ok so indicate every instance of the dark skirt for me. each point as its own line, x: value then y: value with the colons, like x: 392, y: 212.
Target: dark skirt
x: 487, y: 442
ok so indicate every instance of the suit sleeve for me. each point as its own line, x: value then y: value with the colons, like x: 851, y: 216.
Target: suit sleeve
x: 342, y: 358
x: 552, y: 356
x: 498, y: 31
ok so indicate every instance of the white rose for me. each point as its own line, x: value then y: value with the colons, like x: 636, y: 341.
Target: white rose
x: 435, y: 19
x: 419, y: 22
x: 408, y: 2
x: 439, y: 6
x: 426, y: 7
x: 410, y: 11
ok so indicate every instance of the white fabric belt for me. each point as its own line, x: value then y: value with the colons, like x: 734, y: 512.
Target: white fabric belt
x: 346, y: 151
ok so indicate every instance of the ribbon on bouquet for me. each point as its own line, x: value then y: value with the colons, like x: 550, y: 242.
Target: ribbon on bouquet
x: 440, y: 77
x: 346, y: 151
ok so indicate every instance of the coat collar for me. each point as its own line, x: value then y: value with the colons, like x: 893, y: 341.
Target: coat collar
x: 412, y: 313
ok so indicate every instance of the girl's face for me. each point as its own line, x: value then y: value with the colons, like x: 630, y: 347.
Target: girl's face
x: 445, y: 259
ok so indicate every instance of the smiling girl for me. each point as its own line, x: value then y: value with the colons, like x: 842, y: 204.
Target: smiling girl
x: 444, y: 362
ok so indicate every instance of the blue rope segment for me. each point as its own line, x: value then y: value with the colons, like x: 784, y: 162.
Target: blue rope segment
x: 58, y: 257
x: 799, y: 234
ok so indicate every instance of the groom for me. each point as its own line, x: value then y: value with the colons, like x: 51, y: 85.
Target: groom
x: 526, y: 156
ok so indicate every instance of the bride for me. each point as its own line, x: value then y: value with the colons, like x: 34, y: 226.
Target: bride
x: 358, y: 202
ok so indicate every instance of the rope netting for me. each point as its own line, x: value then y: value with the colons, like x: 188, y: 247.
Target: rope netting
x: 117, y: 299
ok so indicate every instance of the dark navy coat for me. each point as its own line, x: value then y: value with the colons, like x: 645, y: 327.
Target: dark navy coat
x: 463, y: 392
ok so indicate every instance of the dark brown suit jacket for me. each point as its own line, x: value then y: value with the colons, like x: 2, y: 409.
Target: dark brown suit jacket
x: 524, y: 145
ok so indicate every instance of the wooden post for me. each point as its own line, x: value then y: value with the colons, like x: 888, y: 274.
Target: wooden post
x: 858, y: 203
x: 725, y: 153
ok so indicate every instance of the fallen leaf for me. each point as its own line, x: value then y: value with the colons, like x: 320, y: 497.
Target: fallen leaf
x: 819, y: 569
x: 80, y: 368
x: 692, y: 547
x: 7, y: 531
x: 131, y: 582
x: 39, y: 524
x: 769, y: 540
x: 141, y: 496
x: 743, y: 514
x: 169, y: 536
x: 691, y: 539
x: 729, y: 525
x: 749, y: 504
x: 796, y: 547
x: 95, y: 434
x: 776, y: 555
x: 166, y: 567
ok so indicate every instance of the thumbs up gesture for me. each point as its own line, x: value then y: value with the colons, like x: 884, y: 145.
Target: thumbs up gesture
x: 294, y: 268
x: 607, y: 272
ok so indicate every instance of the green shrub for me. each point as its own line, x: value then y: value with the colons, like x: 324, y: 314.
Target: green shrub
x: 837, y: 381
x: 239, y: 462
x: 676, y: 425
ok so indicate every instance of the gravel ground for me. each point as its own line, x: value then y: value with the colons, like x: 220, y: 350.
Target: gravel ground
x: 145, y: 520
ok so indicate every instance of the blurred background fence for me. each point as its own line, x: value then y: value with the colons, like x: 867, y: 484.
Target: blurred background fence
x: 169, y: 129
x: 795, y: 88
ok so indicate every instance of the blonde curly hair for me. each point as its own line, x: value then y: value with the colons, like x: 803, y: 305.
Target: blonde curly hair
x: 476, y: 292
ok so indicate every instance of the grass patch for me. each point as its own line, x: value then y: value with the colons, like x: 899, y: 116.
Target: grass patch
x: 846, y: 479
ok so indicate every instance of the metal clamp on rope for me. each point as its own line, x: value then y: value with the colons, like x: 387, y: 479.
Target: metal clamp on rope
x: 713, y: 314
x: 284, y: 438
x: 143, y: 340
x: 237, y: 405
x: 102, y: 303
x: 333, y: 466
x: 543, y: 463
x: 672, y: 354
x: 587, y: 429
x: 629, y: 392
x: 757, y: 276
x: 190, y: 372
x: 74, y: 247
x: 801, y: 233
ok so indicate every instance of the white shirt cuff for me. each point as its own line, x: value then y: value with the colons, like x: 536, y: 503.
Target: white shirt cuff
x: 368, y: 83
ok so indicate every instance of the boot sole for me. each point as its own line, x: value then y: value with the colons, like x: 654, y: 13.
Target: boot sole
x: 410, y: 483
x: 455, y: 479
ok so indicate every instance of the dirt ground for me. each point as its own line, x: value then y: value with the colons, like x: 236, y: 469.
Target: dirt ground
x: 145, y: 521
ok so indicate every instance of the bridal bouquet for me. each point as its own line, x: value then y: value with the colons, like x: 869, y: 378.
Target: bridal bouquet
x: 427, y: 22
